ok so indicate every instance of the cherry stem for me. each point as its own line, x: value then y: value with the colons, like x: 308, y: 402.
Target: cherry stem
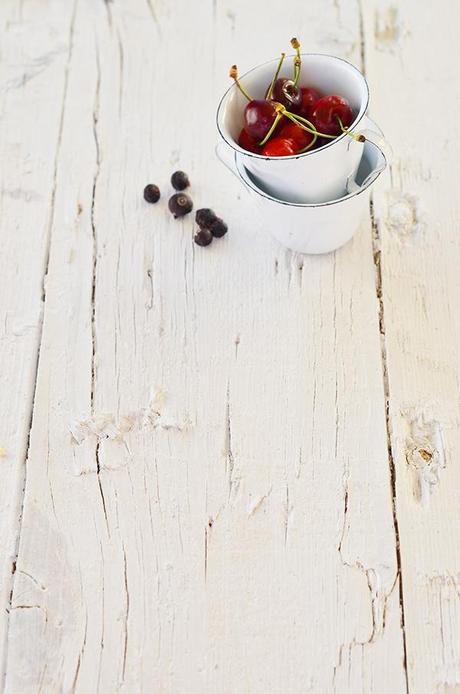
x: 234, y: 75
x: 309, y: 146
x: 268, y: 95
x: 297, y: 60
x: 310, y: 128
x: 279, y: 115
x: 358, y: 137
x: 297, y: 66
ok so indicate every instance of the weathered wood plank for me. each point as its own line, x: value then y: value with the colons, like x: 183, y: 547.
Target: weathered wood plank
x: 208, y: 502
x: 411, y: 55
x: 33, y: 59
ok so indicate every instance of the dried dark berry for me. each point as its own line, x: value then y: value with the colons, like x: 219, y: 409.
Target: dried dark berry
x: 180, y: 180
x: 205, y: 217
x: 218, y: 228
x: 203, y: 237
x: 180, y: 204
x: 151, y: 193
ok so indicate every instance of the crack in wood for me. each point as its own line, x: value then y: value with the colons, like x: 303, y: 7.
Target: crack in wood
x: 287, y: 515
x: 338, y: 665
x: 379, y: 598
x: 121, y: 71
x: 344, y: 526
x: 94, y: 230
x: 237, y: 344
x: 77, y: 671
x: 34, y: 580
x: 378, y: 605
x: 149, y: 302
x: 300, y: 463
x: 377, y: 254
x: 80, y: 655
x: 108, y: 10
x: 94, y: 276
x: 28, y: 607
x: 99, y: 482
x: 233, y: 483
x: 206, y: 550
x: 126, y: 618
x: 58, y: 151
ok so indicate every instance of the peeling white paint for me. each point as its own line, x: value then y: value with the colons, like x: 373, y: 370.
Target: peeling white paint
x: 424, y: 453
x: 256, y: 514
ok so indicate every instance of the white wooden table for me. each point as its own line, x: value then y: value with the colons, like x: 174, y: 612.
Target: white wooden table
x: 226, y: 469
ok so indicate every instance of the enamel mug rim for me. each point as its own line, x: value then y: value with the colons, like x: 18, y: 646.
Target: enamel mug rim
x: 235, y: 146
x: 247, y: 181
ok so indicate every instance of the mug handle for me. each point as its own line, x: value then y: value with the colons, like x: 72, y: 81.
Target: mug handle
x: 375, y: 137
x: 227, y: 156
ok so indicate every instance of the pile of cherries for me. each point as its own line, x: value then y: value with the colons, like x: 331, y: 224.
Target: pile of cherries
x: 291, y: 119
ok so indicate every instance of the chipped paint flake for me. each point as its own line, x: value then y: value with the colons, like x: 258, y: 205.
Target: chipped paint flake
x: 424, y: 454
x: 404, y: 215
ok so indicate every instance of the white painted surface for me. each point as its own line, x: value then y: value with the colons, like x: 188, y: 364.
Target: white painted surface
x: 208, y: 485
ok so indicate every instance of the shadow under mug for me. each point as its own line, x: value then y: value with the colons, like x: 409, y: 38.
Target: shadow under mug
x: 316, y: 176
x: 311, y: 228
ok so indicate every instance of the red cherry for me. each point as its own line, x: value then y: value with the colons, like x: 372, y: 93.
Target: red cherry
x: 280, y: 147
x: 309, y: 97
x: 251, y: 144
x: 286, y: 93
x: 259, y: 115
x: 326, y: 111
x: 298, y: 134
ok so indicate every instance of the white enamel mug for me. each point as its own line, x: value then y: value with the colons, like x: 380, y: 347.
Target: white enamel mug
x: 316, y: 176
x: 312, y: 228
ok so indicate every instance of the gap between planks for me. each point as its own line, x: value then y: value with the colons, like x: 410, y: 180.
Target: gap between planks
x: 377, y: 260
x: 377, y: 252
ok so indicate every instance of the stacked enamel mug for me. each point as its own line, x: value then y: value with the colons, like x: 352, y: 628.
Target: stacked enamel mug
x: 312, y: 202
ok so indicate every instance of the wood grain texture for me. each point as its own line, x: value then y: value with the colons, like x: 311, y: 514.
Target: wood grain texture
x: 209, y: 478
x: 33, y: 69
x: 418, y: 249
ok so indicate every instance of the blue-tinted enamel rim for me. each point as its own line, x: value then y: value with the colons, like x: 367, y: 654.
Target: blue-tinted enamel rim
x: 292, y: 156
x: 249, y: 183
